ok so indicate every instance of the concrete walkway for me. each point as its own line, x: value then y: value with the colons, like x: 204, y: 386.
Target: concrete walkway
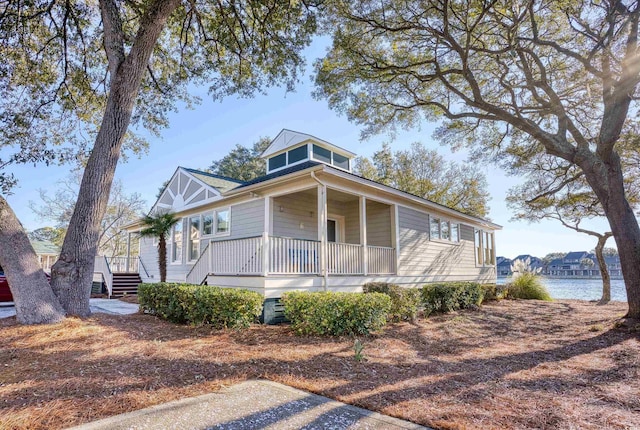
x: 252, y: 405
x: 105, y: 306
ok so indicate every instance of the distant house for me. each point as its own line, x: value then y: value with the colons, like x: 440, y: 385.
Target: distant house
x: 503, y: 266
x: 47, y: 253
x: 582, y: 264
x: 310, y: 223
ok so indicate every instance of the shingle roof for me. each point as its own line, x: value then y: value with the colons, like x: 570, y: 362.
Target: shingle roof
x: 219, y: 182
x: 45, y: 247
x: 576, y: 255
x: 279, y: 173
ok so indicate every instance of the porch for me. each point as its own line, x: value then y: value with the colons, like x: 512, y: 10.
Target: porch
x: 314, y: 231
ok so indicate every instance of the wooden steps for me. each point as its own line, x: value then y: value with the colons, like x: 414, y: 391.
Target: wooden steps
x: 125, y: 283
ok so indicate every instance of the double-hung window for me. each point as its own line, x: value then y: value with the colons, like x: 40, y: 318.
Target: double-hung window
x: 194, y: 237
x: 176, y: 243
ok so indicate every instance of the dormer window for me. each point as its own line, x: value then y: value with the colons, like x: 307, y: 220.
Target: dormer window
x: 291, y: 148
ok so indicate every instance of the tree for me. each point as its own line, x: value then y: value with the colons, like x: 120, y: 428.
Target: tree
x: 242, y: 163
x: 78, y: 72
x: 49, y: 234
x: 425, y: 173
x: 159, y: 226
x: 512, y: 79
x: 122, y: 209
x: 552, y: 256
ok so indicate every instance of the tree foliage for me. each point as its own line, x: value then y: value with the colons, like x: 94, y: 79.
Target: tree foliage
x: 48, y: 234
x: 122, y: 209
x: 242, y: 163
x: 425, y: 173
x: 512, y: 80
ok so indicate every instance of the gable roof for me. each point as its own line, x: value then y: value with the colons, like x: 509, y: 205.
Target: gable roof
x: 45, y: 247
x: 288, y: 138
x: 576, y: 255
x: 219, y: 182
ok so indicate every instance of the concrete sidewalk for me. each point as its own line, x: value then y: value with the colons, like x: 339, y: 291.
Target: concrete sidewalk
x: 105, y: 306
x: 252, y: 405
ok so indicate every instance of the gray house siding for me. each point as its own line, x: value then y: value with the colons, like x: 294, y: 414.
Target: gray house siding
x: 247, y: 220
x: 378, y: 224
x: 445, y: 261
x: 296, y: 216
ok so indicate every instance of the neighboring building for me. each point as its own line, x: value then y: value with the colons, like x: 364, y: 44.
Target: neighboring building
x: 503, y: 266
x: 47, y: 253
x: 582, y: 264
x: 310, y: 223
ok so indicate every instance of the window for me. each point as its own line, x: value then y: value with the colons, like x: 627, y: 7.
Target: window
x: 277, y: 161
x: 444, y: 230
x: 222, y: 224
x: 321, y: 154
x: 194, y: 237
x: 176, y: 243
x: 477, y: 238
x: 434, y: 228
x: 489, y: 255
x: 207, y: 224
x: 340, y: 161
x: 455, y: 232
x: 297, y: 154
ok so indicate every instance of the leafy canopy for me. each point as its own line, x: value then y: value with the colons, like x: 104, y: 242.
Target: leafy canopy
x: 425, y: 173
x: 242, y: 163
x: 55, y: 77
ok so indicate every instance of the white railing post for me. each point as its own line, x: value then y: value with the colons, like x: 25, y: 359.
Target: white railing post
x: 363, y: 235
x: 265, y: 253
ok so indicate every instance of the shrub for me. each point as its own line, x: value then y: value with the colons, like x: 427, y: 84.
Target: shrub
x: 451, y: 296
x: 336, y: 314
x: 201, y: 304
x: 493, y: 292
x: 404, y: 301
x: 528, y: 286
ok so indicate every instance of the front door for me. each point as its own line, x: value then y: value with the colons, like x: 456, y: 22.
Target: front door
x: 332, y: 230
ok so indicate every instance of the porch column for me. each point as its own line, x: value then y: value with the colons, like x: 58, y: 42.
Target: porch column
x: 266, y: 236
x: 395, y: 236
x: 363, y: 235
x: 322, y: 231
x: 128, y: 251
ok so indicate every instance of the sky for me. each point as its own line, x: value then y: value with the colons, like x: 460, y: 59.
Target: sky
x: 197, y: 137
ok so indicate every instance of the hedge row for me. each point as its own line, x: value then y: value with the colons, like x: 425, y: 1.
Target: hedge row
x: 336, y: 314
x: 201, y: 304
x: 451, y: 296
x: 404, y: 301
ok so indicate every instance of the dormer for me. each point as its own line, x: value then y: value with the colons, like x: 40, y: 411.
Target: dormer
x: 290, y: 148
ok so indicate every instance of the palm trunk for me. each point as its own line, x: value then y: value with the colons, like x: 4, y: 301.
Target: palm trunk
x: 604, y: 270
x: 73, y: 272
x: 162, y: 258
x: 33, y: 297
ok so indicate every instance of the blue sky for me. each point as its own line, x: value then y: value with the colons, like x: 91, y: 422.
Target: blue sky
x: 197, y: 137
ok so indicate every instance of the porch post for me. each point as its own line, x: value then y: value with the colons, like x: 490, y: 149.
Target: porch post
x: 266, y: 236
x: 363, y: 235
x: 128, y: 251
x: 395, y: 236
x: 322, y: 232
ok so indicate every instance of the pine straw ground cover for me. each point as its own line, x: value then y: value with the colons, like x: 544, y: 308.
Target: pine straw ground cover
x: 513, y: 364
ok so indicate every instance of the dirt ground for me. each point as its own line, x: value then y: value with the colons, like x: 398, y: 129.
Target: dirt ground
x: 512, y: 364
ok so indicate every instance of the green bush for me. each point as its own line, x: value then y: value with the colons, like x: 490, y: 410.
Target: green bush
x: 336, y: 314
x: 404, y: 301
x: 528, y: 286
x: 493, y: 292
x: 201, y: 304
x: 451, y: 296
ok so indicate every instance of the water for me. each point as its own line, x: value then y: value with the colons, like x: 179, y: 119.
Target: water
x: 581, y: 289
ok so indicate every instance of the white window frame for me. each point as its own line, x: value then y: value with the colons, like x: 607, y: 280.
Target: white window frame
x: 286, y: 158
x: 215, y: 227
x: 173, y: 243
x: 432, y: 220
x: 190, y: 241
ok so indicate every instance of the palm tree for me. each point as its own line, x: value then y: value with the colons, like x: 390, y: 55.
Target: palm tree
x: 159, y: 225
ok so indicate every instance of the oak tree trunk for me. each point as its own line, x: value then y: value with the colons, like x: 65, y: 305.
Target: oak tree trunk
x: 33, y: 297
x: 605, y: 178
x: 604, y: 271
x: 73, y: 272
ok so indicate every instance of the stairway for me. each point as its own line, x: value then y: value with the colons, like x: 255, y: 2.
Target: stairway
x: 125, y: 283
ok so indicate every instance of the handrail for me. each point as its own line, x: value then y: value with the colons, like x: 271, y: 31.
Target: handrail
x: 141, y: 264
x: 101, y: 265
x: 197, y: 266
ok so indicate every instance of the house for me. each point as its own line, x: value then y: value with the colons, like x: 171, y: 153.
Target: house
x: 310, y: 223
x: 503, y: 266
x: 582, y: 264
x: 47, y: 253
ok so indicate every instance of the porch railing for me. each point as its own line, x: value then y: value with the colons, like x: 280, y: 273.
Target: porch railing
x: 288, y: 256
x: 381, y: 260
x: 293, y: 256
x: 344, y: 259
x: 123, y: 264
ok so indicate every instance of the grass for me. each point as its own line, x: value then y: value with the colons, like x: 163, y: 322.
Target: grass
x: 528, y: 286
x: 545, y: 368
